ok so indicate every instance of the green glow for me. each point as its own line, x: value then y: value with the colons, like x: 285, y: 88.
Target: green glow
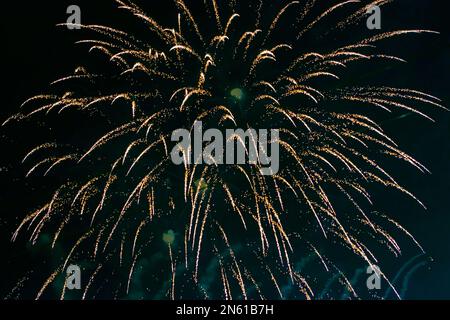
x: 237, y: 93
x: 169, y: 237
x: 201, y: 184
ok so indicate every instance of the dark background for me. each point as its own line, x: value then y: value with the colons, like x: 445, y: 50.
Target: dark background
x: 35, y: 52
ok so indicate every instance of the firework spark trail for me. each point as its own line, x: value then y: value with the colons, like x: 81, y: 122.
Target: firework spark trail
x: 184, y: 74
x: 91, y: 280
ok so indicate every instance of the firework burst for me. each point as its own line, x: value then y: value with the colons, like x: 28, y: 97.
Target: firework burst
x: 224, y: 231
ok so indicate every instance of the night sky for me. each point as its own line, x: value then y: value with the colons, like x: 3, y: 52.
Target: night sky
x: 35, y: 52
